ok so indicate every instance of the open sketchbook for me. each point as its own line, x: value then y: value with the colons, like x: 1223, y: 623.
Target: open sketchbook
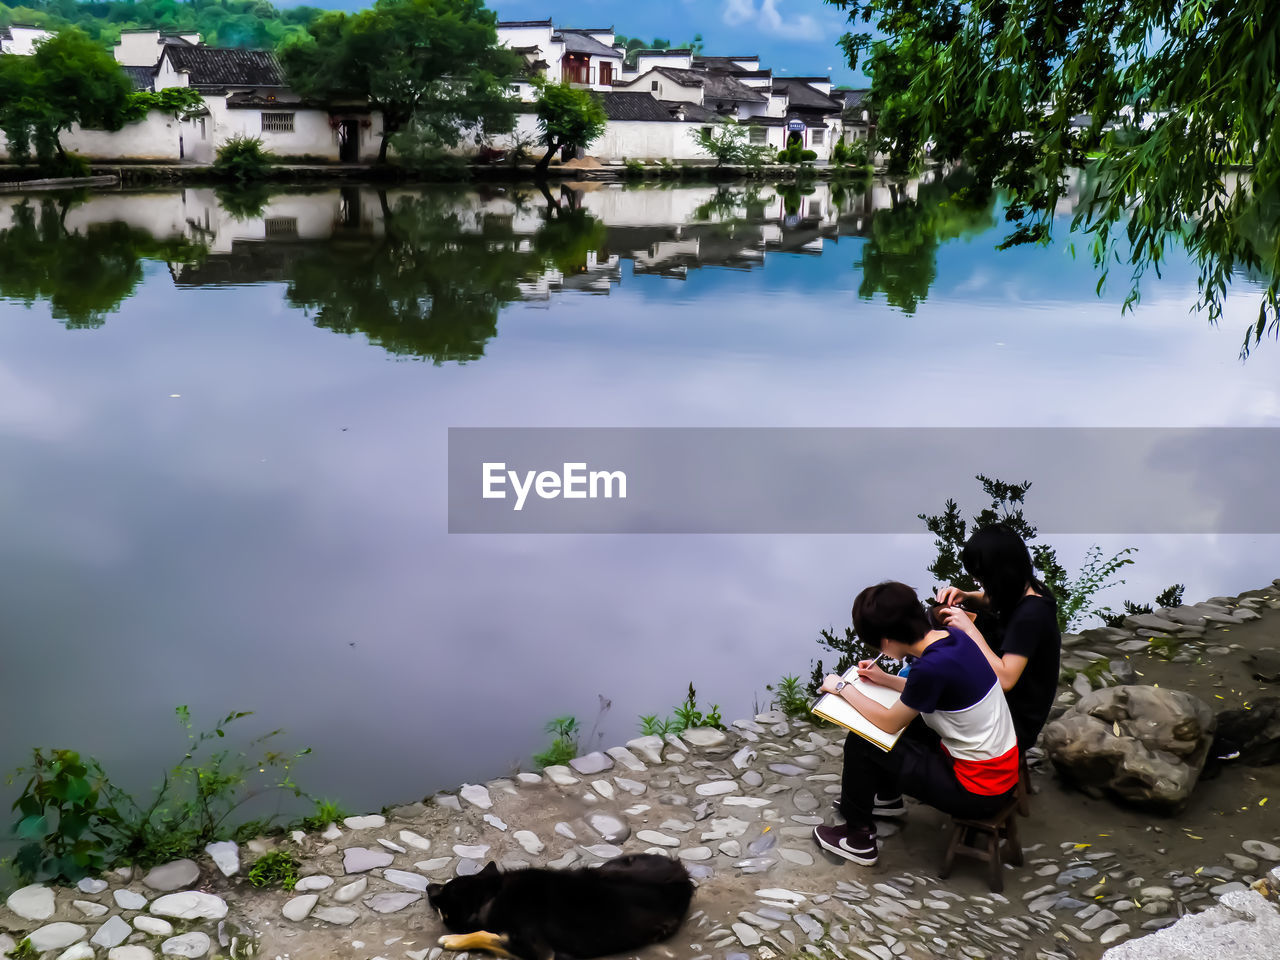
x: 835, y: 708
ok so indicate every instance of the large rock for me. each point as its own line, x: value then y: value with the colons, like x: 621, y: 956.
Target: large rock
x: 1243, y: 926
x: 1145, y: 745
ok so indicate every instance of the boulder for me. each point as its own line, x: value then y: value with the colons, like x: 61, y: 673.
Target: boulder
x: 1265, y: 664
x: 1145, y: 745
x: 1242, y: 925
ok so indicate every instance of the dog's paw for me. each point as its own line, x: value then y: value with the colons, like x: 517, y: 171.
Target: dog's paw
x: 453, y: 942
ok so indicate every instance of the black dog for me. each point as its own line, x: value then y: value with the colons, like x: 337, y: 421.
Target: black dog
x: 536, y: 914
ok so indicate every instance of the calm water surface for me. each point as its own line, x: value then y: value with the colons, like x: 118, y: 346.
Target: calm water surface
x: 223, y: 433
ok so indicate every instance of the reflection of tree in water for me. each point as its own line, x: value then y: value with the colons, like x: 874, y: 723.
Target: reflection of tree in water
x: 428, y: 287
x: 899, y: 258
x: 84, y: 276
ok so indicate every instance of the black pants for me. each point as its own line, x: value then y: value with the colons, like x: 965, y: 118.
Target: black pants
x: 916, y: 766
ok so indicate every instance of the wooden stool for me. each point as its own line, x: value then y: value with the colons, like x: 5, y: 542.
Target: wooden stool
x: 1023, y: 795
x: 994, y: 840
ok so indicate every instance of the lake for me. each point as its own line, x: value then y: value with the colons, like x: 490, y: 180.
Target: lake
x: 223, y: 425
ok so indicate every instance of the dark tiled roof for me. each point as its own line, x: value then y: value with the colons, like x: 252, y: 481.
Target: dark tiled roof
x: 723, y: 63
x: 143, y: 77
x: 575, y: 42
x: 692, y: 111
x: 226, y: 66
x: 245, y: 100
x: 525, y: 23
x: 634, y: 106
x: 665, y: 52
x: 5, y: 34
x: 800, y: 94
x: 716, y: 86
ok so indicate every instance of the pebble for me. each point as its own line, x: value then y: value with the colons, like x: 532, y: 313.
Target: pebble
x: 417, y: 841
x: 705, y: 737
x: 349, y: 892
x: 1114, y: 933
x: 609, y: 827
x: 55, y: 936
x: 340, y: 916
x: 592, y: 763
x: 476, y: 795
x: 194, y: 944
x: 34, y: 902
x: 433, y: 865
x: 153, y: 925
x: 190, y: 905
x: 560, y: 775
x: 371, y: 822
x: 1260, y: 848
x: 529, y: 842
x: 628, y: 759
x: 695, y: 853
x: 410, y: 881
x: 112, y: 933
x: 605, y: 851
x: 716, y: 788
x: 332, y: 832
x: 89, y: 909
x: 471, y: 851
x: 308, y: 884
x: 225, y: 855
x: 77, y: 951
x: 361, y: 859
x: 91, y: 885
x: 798, y: 857
x: 131, y: 952
x: 129, y: 900
x: 746, y: 935
x: 299, y: 908
x: 172, y: 876
x: 391, y: 902
x: 654, y: 837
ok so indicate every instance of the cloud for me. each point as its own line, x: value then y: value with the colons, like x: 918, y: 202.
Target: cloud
x: 768, y: 18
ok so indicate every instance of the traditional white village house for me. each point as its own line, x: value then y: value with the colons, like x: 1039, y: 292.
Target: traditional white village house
x: 246, y: 94
x: 20, y: 39
x: 583, y: 57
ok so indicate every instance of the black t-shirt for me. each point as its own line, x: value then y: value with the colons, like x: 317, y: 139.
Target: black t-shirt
x: 1031, y: 630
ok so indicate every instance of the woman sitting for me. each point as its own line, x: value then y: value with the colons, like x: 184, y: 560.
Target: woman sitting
x: 1026, y: 648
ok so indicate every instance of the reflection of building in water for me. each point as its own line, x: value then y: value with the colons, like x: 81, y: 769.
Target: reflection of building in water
x: 663, y: 231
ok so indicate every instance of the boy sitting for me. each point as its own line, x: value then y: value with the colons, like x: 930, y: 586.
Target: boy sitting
x: 970, y: 771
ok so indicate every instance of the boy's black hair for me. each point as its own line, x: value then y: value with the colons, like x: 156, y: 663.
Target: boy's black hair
x: 998, y: 559
x: 889, y: 610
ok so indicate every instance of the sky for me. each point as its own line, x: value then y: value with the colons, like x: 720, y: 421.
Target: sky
x: 795, y: 37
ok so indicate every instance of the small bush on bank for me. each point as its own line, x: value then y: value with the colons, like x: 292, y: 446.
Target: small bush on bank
x: 242, y: 158
x: 275, y: 869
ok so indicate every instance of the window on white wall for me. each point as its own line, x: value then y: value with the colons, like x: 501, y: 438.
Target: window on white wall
x: 757, y: 135
x: 818, y: 136
x: 653, y: 86
x: 277, y: 123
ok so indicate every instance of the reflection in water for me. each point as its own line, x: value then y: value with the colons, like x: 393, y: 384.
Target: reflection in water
x: 424, y: 274
x: 85, y: 274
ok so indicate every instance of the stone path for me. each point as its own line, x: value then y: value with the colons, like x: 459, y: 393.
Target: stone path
x: 737, y: 807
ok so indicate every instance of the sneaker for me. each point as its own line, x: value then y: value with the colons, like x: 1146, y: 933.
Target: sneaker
x: 884, y: 809
x: 853, y: 843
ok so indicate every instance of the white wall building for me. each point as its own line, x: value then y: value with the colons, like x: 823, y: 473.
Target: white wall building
x: 582, y: 57
x: 21, y: 40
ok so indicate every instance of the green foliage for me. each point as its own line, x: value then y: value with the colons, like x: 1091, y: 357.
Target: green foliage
x: 222, y: 23
x: 726, y: 142
x: 279, y: 868
x: 419, y: 151
x: 69, y: 79
x: 1005, y: 505
x: 432, y: 64
x: 65, y: 822
x: 182, y: 102
x: 244, y: 199
x: 790, y: 697
x: 1168, y: 597
x: 75, y: 821
x: 567, y: 117
x: 634, y: 169
x: 634, y: 45
x: 325, y: 813
x: 1180, y: 100
x: 684, y: 716
x: 1171, y: 596
x: 242, y: 159
x: 850, y: 153
x: 24, y: 951
x: 564, y: 745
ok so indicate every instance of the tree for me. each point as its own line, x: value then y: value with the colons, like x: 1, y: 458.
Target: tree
x: 432, y: 64
x: 1172, y: 104
x: 68, y: 79
x: 567, y: 117
x: 725, y: 142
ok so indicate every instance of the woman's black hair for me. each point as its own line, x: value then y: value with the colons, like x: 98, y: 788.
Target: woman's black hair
x: 998, y: 558
x: 889, y: 610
